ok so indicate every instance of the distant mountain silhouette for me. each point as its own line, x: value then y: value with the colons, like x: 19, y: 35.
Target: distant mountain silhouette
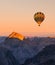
x: 2, y: 38
x: 44, y: 57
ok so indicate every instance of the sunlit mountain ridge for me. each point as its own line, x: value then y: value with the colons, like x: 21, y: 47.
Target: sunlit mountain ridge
x: 16, y: 35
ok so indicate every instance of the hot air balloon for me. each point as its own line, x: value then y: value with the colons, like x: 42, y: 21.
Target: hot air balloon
x: 39, y: 17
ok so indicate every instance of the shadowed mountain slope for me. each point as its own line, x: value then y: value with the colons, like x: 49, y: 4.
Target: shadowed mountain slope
x: 49, y: 62
x: 44, y: 57
x: 6, y: 57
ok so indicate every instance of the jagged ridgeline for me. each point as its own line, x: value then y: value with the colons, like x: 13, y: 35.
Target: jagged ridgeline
x: 29, y: 51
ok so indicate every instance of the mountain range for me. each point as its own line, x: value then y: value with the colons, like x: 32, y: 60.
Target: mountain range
x: 29, y: 51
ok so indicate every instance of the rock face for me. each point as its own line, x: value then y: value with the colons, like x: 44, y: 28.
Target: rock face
x: 45, y: 57
x: 6, y: 57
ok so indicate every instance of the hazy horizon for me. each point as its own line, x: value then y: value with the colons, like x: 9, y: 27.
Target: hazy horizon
x: 31, y: 34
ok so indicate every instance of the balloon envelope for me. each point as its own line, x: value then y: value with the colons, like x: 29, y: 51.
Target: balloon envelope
x: 39, y: 17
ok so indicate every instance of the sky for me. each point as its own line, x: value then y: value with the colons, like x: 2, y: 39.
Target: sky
x: 17, y: 16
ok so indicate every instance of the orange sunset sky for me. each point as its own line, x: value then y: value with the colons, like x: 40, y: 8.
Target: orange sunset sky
x: 17, y: 16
